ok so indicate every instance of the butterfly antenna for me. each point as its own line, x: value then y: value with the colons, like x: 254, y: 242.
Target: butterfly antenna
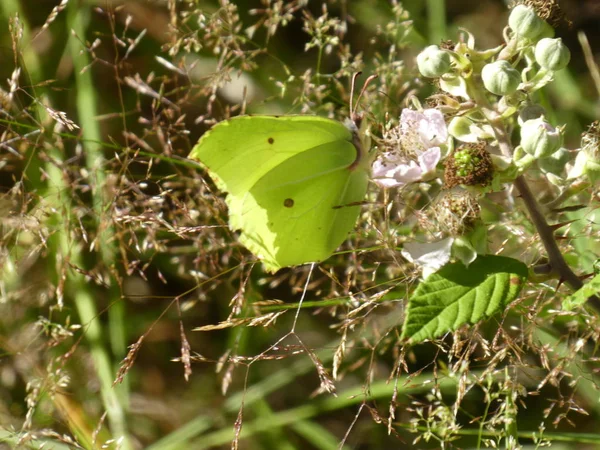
x: 362, y: 91
x: 352, y: 108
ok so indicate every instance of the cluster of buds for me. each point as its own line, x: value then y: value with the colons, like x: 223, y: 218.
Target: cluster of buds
x: 480, y: 93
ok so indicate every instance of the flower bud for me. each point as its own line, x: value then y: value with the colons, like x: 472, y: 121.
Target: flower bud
x: 500, y: 78
x: 539, y: 138
x: 433, y: 62
x: 524, y: 21
x: 552, y: 54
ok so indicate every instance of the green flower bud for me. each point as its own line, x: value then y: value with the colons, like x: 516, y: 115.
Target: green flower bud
x: 433, y: 62
x: 539, y: 138
x: 524, y: 21
x: 500, y: 78
x: 552, y: 54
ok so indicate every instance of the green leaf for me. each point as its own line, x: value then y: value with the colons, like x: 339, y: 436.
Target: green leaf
x: 588, y: 290
x: 456, y: 295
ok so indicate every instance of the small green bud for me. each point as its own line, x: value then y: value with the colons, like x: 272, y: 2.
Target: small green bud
x: 539, y: 138
x: 500, y: 78
x: 433, y: 62
x: 524, y: 21
x: 552, y: 54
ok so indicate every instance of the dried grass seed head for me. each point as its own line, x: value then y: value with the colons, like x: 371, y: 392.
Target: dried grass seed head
x: 548, y: 10
x: 456, y: 212
x: 590, y: 140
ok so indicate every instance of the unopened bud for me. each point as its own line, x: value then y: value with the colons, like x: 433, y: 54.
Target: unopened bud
x: 524, y: 21
x: 500, y: 78
x: 539, y: 138
x: 552, y: 54
x: 433, y: 62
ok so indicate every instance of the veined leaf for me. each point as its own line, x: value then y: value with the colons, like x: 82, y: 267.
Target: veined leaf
x: 457, y: 295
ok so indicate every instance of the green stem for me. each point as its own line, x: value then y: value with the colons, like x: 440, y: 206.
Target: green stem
x: 510, y: 425
x: 319, y: 60
x: 483, y: 419
x: 115, y: 398
x: 573, y: 437
x: 352, y: 397
x: 436, y: 14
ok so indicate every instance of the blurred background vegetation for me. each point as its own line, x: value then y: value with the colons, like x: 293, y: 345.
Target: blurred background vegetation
x: 114, y: 248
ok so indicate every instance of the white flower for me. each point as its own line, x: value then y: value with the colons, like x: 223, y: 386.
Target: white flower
x: 430, y: 124
x: 431, y: 256
x: 415, y: 148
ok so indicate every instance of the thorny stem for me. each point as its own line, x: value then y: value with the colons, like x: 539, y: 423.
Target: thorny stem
x: 546, y: 233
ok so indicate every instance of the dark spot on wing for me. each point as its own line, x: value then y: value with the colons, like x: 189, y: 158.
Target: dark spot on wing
x: 270, y: 140
x: 288, y: 202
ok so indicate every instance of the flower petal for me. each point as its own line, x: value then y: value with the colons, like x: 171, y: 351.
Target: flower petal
x: 384, y: 166
x: 429, y: 124
x: 387, y: 182
x: 387, y: 172
x: 408, y: 173
x: 431, y: 256
x: 433, y: 128
x: 429, y: 159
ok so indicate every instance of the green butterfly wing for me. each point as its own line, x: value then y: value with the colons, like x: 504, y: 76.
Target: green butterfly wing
x: 292, y: 183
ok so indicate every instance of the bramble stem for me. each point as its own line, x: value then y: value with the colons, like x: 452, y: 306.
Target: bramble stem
x: 546, y: 233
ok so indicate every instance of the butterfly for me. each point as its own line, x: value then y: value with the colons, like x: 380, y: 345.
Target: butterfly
x: 294, y: 183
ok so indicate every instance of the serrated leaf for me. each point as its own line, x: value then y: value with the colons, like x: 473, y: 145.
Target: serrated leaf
x: 457, y: 295
x: 588, y: 290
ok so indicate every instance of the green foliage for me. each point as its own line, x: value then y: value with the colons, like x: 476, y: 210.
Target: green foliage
x: 457, y: 295
x: 131, y: 316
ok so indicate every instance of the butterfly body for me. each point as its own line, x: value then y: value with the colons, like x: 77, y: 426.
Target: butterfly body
x: 288, y: 180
